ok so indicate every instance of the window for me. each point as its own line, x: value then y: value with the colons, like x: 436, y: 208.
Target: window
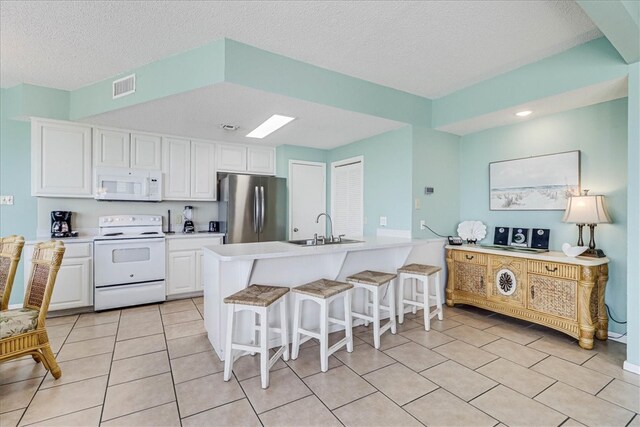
x: 347, y: 197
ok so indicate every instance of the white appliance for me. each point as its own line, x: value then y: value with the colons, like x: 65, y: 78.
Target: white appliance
x: 129, y: 261
x: 128, y: 184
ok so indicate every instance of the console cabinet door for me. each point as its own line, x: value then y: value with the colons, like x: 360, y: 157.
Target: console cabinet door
x: 470, y: 278
x: 146, y: 151
x: 60, y: 159
x: 176, y: 159
x: 111, y: 148
x: 553, y: 295
x: 203, y: 170
x: 182, y: 272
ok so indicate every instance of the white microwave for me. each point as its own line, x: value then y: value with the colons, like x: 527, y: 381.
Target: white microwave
x: 128, y: 184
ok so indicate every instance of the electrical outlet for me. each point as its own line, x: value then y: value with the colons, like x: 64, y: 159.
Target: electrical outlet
x: 6, y: 200
x: 178, y: 219
x: 383, y: 221
x: 417, y: 204
x: 423, y: 224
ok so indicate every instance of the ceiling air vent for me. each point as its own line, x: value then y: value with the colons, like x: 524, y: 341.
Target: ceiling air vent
x: 124, y: 86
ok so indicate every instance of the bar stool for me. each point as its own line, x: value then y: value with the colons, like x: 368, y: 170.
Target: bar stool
x: 422, y: 273
x: 258, y: 299
x: 323, y: 292
x: 371, y: 282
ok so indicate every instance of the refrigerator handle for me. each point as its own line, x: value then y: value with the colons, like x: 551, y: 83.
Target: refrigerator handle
x: 261, y: 209
x: 256, y: 207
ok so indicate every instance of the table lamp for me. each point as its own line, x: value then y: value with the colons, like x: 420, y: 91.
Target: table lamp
x: 587, y: 210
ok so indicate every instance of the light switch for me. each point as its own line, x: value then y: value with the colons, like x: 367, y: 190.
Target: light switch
x: 6, y: 200
x: 383, y: 221
x: 417, y: 204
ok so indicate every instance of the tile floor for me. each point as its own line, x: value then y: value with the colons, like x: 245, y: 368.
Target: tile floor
x: 153, y: 365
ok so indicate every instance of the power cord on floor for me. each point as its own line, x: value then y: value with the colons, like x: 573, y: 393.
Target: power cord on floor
x: 613, y: 318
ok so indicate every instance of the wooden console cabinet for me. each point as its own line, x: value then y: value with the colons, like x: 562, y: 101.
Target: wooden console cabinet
x: 549, y: 288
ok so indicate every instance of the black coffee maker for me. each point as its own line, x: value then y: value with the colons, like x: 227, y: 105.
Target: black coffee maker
x: 61, y: 224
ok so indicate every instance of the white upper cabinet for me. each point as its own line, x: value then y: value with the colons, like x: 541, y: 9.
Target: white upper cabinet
x: 261, y: 160
x: 111, y: 148
x: 145, y: 151
x: 60, y: 159
x: 203, y: 170
x: 232, y: 158
x: 176, y: 159
x: 189, y: 168
x: 248, y: 159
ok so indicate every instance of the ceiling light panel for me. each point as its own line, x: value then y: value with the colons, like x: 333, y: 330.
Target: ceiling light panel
x: 271, y: 125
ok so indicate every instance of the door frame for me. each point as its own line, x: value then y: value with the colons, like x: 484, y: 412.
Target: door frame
x: 289, y: 193
x: 344, y: 162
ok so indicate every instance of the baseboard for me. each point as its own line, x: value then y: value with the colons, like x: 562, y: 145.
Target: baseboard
x: 14, y: 306
x: 614, y: 336
x: 628, y: 366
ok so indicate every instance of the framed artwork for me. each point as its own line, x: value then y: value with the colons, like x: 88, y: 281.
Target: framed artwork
x: 534, y: 183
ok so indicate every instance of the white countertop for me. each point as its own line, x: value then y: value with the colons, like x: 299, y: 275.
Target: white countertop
x: 192, y: 235
x: 263, y: 250
x: 550, y: 256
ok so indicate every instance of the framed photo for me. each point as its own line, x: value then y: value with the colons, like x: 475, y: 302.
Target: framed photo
x: 534, y: 183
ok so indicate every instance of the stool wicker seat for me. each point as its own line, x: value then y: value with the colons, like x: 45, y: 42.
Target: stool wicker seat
x: 323, y: 292
x: 257, y: 298
x: 420, y: 273
x: 371, y: 282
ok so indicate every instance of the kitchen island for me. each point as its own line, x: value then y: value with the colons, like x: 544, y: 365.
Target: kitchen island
x: 230, y: 268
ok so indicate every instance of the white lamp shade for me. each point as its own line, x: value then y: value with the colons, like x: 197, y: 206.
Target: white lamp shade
x: 586, y: 210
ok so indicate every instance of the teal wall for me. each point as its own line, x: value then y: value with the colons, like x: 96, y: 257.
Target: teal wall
x: 387, y: 177
x: 633, y: 209
x: 600, y: 133
x: 436, y: 164
x: 15, y: 177
x: 284, y: 153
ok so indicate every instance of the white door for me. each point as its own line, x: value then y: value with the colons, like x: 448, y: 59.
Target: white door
x: 203, y: 170
x: 232, y: 158
x: 307, y: 199
x: 60, y: 159
x: 110, y: 148
x: 347, y: 197
x: 176, y: 159
x: 145, y: 151
x: 261, y: 160
x: 182, y: 272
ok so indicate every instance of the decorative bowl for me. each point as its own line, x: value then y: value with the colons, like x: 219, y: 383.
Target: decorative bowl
x: 573, y: 251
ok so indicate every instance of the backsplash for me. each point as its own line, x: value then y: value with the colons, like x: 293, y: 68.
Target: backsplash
x: 87, y: 211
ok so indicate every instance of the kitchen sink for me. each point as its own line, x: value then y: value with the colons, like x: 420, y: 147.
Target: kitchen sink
x: 309, y: 242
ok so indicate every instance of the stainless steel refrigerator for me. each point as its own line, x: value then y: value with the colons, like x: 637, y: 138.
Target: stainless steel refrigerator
x: 252, y: 208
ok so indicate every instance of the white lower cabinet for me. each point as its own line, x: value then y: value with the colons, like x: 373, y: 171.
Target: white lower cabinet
x: 74, y: 283
x: 184, y: 263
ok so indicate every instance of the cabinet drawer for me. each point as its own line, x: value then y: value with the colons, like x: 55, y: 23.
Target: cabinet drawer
x: 554, y: 269
x: 193, y: 244
x: 553, y: 296
x: 77, y: 250
x: 470, y: 257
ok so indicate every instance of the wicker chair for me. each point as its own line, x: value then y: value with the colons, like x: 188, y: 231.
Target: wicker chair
x: 10, y: 251
x: 22, y: 331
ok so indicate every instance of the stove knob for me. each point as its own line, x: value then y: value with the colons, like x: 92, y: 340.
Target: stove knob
x: 132, y: 219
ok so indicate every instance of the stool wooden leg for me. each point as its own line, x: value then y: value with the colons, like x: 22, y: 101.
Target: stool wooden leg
x: 228, y: 353
x: 392, y: 306
x: 401, y: 280
x: 376, y: 317
x: 438, y: 295
x: 367, y: 305
x: 426, y: 310
x: 256, y: 331
x: 414, y: 296
x: 348, y: 331
x: 324, y: 336
x: 295, y: 346
x: 264, y: 346
x: 284, y: 328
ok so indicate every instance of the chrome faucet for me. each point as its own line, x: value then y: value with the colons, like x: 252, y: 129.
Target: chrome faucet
x: 330, y: 223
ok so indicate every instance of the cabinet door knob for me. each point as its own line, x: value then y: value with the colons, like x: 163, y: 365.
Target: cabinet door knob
x: 551, y: 270
x: 469, y: 257
x: 533, y: 292
x: 295, y: 230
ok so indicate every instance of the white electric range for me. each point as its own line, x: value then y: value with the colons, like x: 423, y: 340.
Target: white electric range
x: 129, y: 261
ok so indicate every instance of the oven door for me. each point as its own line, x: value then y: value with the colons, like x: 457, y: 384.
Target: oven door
x: 122, y: 261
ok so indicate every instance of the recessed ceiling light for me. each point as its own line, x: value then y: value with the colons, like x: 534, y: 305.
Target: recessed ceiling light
x: 524, y: 113
x: 271, y: 125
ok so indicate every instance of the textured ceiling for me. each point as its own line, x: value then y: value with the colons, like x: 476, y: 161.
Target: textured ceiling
x: 199, y: 113
x: 429, y: 48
